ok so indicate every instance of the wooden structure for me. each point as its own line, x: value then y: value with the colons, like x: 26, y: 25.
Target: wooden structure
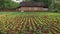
x: 32, y: 6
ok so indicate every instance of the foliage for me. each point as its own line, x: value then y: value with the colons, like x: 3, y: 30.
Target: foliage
x: 55, y: 6
x: 5, y: 4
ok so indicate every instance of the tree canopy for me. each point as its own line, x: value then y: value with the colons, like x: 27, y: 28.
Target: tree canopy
x: 7, y: 4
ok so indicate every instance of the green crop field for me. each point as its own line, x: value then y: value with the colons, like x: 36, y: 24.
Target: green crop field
x: 29, y: 23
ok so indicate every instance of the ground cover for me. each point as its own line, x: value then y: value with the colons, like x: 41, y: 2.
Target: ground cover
x: 29, y: 23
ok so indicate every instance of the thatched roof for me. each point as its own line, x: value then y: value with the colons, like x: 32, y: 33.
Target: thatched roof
x: 32, y: 4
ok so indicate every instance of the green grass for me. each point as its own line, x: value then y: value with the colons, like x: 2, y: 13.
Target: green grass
x: 29, y: 13
x: 50, y: 14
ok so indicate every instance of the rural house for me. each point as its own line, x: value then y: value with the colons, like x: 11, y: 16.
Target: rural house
x: 32, y: 6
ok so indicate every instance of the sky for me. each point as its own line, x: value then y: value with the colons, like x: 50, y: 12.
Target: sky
x: 17, y: 1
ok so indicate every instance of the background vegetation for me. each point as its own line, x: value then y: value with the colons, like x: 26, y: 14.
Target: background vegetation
x: 53, y: 5
x: 7, y: 4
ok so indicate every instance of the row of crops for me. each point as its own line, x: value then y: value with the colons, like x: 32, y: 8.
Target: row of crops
x: 29, y: 24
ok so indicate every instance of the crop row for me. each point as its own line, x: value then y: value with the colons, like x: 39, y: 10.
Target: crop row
x: 29, y: 25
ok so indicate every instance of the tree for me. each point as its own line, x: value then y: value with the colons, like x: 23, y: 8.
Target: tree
x: 5, y: 4
x: 57, y: 5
